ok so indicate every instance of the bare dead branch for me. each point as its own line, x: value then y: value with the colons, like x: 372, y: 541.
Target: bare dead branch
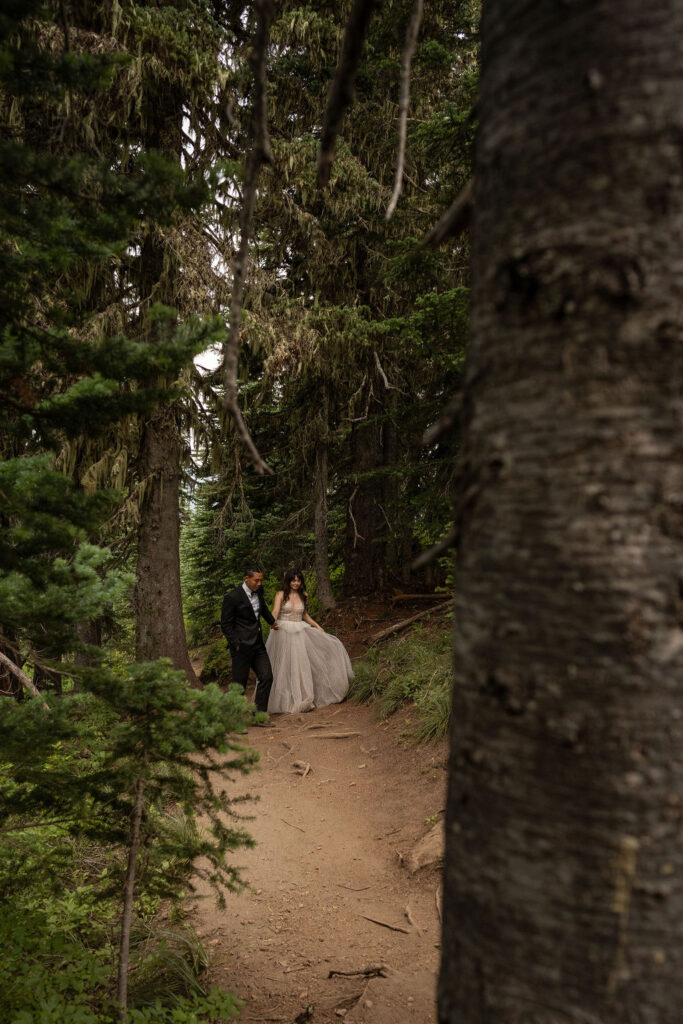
x: 438, y: 549
x: 340, y: 93
x: 27, y: 683
x: 386, y: 633
x: 445, y: 422
x: 260, y: 153
x: 387, y: 385
x: 215, y: 241
x: 454, y: 221
x: 404, y: 102
x: 356, y: 534
x: 386, y: 517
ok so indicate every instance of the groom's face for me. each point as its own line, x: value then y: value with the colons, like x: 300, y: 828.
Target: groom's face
x: 255, y: 581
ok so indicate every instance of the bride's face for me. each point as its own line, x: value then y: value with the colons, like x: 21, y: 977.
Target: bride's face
x: 295, y: 583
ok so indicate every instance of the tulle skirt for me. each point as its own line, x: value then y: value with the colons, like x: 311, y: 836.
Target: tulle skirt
x: 310, y: 668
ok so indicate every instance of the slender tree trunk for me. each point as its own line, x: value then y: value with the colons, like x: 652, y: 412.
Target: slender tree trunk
x: 563, y: 900
x: 160, y: 627
x: 128, y: 895
x: 322, y: 559
x: 90, y: 633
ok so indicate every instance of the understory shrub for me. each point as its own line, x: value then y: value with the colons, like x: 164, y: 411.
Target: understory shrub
x: 217, y: 664
x: 70, y: 774
x: 60, y: 939
x: 411, y: 669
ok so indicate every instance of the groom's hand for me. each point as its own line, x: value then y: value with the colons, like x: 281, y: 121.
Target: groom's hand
x: 275, y: 626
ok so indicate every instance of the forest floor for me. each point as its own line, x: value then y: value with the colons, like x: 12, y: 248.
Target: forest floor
x: 337, y: 922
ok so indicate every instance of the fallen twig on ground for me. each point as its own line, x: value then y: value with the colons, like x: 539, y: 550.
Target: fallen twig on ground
x: 292, y: 826
x: 335, y: 735
x: 385, y: 924
x: 366, y: 972
x: 265, y: 1018
x: 391, y: 832
x: 362, y: 888
x: 301, y: 967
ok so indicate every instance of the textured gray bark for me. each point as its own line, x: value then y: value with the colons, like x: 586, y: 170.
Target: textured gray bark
x: 159, y: 623
x: 563, y: 895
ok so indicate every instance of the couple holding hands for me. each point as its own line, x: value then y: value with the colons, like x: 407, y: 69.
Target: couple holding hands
x: 301, y: 667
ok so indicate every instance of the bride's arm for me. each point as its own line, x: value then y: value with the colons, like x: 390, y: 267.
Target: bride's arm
x: 277, y: 603
x: 311, y: 622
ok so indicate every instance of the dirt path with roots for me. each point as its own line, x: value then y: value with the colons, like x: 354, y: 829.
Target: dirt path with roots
x: 336, y: 922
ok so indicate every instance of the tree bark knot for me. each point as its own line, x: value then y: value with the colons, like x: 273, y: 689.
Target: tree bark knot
x: 560, y: 281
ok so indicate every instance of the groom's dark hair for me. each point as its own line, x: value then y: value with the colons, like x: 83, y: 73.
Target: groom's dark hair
x: 251, y: 568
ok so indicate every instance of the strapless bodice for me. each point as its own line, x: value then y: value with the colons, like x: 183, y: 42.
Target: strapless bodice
x: 291, y: 613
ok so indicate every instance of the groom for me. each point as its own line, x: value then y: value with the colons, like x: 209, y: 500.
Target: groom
x: 242, y: 629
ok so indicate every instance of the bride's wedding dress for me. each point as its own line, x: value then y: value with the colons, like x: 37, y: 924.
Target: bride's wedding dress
x: 310, y: 668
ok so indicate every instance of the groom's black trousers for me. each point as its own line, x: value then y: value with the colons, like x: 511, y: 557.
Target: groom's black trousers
x: 255, y: 657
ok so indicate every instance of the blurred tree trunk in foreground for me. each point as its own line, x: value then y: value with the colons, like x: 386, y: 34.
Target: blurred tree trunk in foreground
x: 563, y: 896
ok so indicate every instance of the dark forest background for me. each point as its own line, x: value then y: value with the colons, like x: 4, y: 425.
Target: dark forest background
x: 210, y: 353
x: 129, y: 501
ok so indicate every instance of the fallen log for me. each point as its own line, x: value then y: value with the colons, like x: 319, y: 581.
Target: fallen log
x: 386, y: 633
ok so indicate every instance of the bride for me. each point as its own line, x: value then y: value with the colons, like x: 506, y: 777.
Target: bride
x: 310, y: 667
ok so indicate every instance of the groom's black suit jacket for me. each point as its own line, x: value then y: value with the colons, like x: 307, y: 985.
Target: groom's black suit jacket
x: 240, y: 626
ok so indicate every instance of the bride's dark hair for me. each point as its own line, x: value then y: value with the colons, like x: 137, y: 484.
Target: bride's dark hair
x: 290, y: 575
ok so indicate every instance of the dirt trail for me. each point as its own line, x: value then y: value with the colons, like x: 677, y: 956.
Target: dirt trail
x: 329, y: 859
